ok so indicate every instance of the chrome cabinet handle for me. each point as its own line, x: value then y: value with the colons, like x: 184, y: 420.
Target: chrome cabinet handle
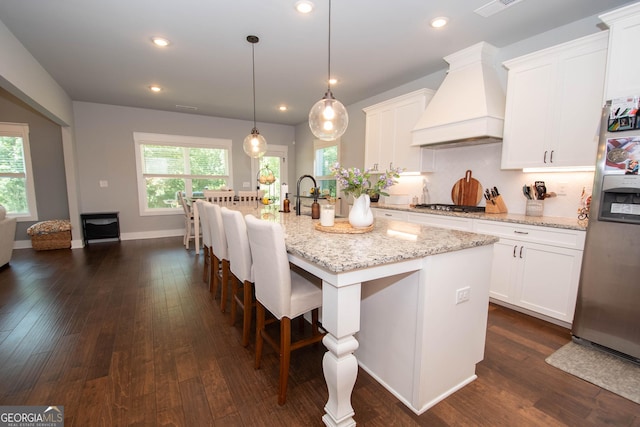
x: 514, y: 250
x: 521, y: 251
x: 387, y: 214
x: 520, y: 232
x: 551, y: 157
x: 545, y: 156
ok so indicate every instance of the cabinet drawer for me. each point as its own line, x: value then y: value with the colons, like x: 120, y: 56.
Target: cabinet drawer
x: 390, y: 214
x: 573, y: 239
x: 444, y: 221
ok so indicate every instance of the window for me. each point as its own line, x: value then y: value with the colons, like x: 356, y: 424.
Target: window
x: 167, y: 164
x: 17, y: 191
x: 327, y: 154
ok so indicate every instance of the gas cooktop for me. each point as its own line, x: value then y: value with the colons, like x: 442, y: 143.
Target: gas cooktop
x: 451, y: 208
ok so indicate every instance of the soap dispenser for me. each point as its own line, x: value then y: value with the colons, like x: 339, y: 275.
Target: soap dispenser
x: 286, y: 205
x: 315, y: 206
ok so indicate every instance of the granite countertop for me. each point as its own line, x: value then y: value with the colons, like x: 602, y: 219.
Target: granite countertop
x: 546, y: 221
x: 389, y: 241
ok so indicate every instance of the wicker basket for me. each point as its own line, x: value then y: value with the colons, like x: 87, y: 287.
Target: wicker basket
x: 44, y: 242
x: 53, y: 234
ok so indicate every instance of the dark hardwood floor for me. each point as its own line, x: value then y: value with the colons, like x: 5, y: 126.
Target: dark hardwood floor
x: 127, y: 334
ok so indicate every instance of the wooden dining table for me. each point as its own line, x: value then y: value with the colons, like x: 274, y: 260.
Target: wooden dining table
x: 389, y: 305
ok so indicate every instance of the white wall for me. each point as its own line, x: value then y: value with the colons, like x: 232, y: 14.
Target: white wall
x: 105, y: 151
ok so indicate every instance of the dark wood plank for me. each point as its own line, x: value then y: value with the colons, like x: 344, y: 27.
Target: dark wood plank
x: 127, y: 334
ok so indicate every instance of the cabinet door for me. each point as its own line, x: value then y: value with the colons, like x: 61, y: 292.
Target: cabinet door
x: 444, y: 221
x: 549, y: 280
x: 504, y: 270
x: 579, y: 104
x: 387, y: 135
x: 379, y: 135
x: 406, y: 116
x: 372, y: 140
x: 527, y: 125
x: 554, y: 100
x: 623, y: 64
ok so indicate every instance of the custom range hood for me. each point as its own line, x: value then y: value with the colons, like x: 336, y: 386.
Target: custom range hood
x: 468, y: 107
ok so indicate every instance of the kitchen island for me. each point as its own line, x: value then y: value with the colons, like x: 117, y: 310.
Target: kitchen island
x: 405, y: 301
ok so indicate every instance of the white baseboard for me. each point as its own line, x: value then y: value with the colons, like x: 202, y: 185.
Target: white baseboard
x: 79, y: 244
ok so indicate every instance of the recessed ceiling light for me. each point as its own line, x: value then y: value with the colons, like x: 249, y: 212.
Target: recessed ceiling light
x: 439, y: 22
x: 155, y: 88
x: 160, y: 42
x: 304, y: 6
x: 283, y: 108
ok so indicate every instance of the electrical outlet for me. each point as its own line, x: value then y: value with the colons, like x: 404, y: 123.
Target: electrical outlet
x: 562, y: 189
x: 246, y: 184
x: 104, y: 183
x: 463, y: 294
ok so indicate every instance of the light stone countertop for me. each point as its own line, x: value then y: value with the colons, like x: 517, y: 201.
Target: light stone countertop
x: 546, y: 221
x: 389, y: 241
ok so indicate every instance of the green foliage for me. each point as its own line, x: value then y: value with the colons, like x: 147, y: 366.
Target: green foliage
x: 13, y: 191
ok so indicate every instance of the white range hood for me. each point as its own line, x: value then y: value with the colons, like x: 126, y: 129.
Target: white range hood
x: 468, y: 107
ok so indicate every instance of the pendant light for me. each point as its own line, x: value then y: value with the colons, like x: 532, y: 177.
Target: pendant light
x: 328, y: 118
x: 254, y: 144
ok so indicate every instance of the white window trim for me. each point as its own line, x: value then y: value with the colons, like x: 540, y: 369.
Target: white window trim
x: 318, y: 144
x: 140, y: 138
x: 281, y: 151
x: 22, y: 130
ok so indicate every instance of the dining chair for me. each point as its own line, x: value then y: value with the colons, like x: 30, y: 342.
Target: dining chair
x: 188, y: 220
x: 283, y: 292
x: 220, y: 254
x: 248, y: 198
x: 220, y: 197
x: 241, y: 266
x: 205, y: 224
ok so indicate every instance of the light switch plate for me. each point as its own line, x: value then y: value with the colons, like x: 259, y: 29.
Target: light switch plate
x: 104, y: 183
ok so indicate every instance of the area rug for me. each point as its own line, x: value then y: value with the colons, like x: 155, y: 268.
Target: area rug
x: 605, y: 370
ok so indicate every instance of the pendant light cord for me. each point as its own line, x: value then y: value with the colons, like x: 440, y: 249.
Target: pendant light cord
x: 253, y: 66
x: 329, y: 60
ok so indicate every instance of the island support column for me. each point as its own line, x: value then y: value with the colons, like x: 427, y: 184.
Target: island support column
x: 341, y: 319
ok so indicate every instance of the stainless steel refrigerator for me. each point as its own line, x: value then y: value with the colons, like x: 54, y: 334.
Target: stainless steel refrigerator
x: 608, y: 305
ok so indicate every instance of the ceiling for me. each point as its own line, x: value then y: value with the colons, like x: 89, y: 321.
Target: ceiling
x: 101, y: 51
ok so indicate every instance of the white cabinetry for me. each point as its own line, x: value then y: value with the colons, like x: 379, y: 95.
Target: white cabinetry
x: 390, y: 214
x: 444, y: 221
x: 388, y: 134
x: 554, y: 101
x: 623, y: 62
x: 535, y: 268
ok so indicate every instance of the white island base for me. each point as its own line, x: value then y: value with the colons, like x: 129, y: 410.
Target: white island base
x: 414, y: 338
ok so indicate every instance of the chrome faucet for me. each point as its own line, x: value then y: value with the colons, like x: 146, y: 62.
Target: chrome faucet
x: 315, y: 185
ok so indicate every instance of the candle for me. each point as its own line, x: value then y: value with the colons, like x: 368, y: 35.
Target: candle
x: 327, y: 215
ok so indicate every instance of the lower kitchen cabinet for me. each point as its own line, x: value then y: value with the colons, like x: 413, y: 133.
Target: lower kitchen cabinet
x: 535, y: 268
x: 540, y: 278
x: 444, y: 221
x: 389, y: 214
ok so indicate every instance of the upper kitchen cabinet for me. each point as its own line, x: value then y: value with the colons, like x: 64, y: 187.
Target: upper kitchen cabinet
x: 554, y: 101
x: 388, y: 134
x: 623, y: 62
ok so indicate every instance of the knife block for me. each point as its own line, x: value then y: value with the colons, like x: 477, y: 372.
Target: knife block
x: 496, y: 207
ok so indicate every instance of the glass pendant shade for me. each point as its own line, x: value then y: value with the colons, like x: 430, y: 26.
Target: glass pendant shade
x: 328, y: 118
x: 254, y: 144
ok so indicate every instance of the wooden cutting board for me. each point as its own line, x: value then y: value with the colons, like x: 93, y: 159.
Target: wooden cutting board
x: 466, y: 191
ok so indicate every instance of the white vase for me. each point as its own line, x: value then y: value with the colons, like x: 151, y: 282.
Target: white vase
x: 360, y: 215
